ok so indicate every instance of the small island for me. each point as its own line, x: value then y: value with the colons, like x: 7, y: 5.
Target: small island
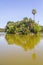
x: 24, y: 26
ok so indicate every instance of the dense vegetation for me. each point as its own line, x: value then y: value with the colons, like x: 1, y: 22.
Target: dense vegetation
x: 24, y: 26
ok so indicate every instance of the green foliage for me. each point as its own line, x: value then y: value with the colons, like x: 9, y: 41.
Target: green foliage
x: 37, y: 28
x: 10, y: 30
x: 24, y: 26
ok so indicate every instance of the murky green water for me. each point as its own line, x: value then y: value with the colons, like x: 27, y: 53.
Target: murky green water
x: 21, y: 49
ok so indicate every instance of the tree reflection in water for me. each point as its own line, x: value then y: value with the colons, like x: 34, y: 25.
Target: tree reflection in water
x: 34, y: 55
x: 26, y: 41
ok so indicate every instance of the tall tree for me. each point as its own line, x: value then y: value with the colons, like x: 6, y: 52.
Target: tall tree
x: 34, y: 12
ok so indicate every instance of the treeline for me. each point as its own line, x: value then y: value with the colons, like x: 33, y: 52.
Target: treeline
x: 24, y: 26
x: 41, y: 28
x: 2, y: 30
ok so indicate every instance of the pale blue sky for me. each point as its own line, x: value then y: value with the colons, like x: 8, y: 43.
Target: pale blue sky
x: 14, y: 10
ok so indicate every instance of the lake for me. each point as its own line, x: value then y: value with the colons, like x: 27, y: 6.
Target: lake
x: 21, y: 49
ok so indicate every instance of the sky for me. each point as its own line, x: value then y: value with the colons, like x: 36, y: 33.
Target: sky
x: 14, y: 10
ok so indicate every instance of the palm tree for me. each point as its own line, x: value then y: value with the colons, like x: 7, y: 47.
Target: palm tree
x: 34, y: 12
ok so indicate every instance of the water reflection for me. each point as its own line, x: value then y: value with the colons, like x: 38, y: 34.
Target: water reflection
x: 26, y: 41
x: 12, y: 52
x: 34, y: 55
